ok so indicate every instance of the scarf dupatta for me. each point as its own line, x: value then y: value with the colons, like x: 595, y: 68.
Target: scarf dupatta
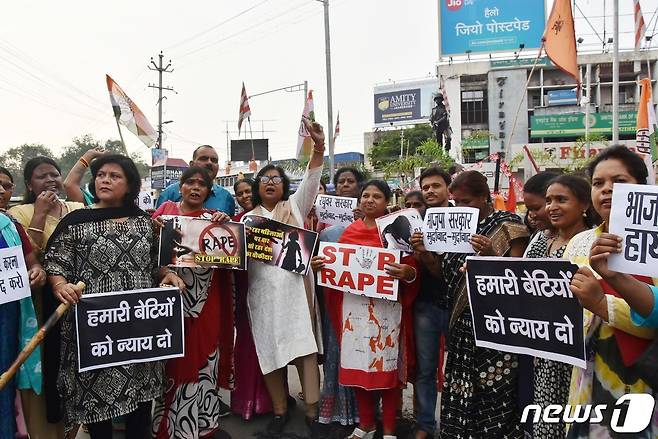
x: 29, y: 374
x: 358, y: 234
x: 204, y: 333
x: 52, y: 341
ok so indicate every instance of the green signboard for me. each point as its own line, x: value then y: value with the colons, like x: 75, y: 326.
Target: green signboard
x: 519, y: 62
x: 573, y: 125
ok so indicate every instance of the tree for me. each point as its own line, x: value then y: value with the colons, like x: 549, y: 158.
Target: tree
x: 386, y: 149
x: 427, y: 154
x: 16, y: 158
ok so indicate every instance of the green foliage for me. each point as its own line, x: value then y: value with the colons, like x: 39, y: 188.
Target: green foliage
x: 15, y: 158
x: 427, y: 153
x: 387, y: 145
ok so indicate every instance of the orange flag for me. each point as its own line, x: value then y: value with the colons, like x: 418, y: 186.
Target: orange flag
x: 510, y: 204
x: 560, y: 38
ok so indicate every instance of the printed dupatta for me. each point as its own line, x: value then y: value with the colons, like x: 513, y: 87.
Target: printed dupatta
x: 29, y: 374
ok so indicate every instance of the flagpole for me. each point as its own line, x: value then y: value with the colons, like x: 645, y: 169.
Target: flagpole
x: 251, y: 134
x: 116, y: 119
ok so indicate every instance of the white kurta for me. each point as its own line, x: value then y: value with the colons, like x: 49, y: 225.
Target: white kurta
x: 278, y: 308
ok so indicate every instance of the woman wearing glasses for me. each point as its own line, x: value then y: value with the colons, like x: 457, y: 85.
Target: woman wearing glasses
x: 282, y: 304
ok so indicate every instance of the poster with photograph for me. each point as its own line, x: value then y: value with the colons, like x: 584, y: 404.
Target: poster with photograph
x: 282, y: 245
x: 395, y: 229
x: 194, y: 242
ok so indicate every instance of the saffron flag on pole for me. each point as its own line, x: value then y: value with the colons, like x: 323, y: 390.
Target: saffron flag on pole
x: 640, y: 28
x: 129, y: 115
x: 245, y: 111
x: 337, y: 130
x: 304, y: 141
x: 646, y: 129
x: 560, y: 39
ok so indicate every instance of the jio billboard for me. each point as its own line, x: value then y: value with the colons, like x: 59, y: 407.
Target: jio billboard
x: 485, y: 26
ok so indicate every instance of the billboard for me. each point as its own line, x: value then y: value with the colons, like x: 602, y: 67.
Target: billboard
x: 573, y: 125
x: 485, y: 26
x: 241, y: 150
x: 404, y: 103
x: 161, y: 177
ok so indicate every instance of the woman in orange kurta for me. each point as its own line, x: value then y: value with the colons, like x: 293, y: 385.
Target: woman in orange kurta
x: 375, y: 335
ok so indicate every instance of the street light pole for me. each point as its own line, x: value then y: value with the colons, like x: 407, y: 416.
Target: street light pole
x: 615, y: 74
x: 330, y: 115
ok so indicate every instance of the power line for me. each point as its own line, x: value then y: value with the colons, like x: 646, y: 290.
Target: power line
x: 218, y: 25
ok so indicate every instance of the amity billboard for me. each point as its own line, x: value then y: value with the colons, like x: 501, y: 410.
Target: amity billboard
x: 485, y: 26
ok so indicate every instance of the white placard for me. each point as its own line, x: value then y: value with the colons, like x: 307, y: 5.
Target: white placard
x: 14, y: 281
x: 448, y: 229
x: 358, y: 270
x: 145, y: 201
x: 335, y: 211
x: 395, y: 229
x: 634, y: 218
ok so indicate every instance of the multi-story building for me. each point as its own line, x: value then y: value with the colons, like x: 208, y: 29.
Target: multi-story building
x: 487, y: 96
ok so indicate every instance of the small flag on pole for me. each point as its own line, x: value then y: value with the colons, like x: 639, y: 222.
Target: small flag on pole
x: 304, y: 141
x: 129, y: 115
x: 337, y: 130
x: 646, y: 129
x: 640, y: 28
x: 560, y: 39
x: 245, y: 111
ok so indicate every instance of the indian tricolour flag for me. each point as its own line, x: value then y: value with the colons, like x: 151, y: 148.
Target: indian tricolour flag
x: 304, y: 141
x: 646, y: 129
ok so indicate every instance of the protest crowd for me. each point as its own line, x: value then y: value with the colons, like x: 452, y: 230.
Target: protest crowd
x: 355, y: 353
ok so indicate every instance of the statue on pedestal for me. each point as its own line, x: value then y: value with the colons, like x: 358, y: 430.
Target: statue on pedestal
x: 441, y: 123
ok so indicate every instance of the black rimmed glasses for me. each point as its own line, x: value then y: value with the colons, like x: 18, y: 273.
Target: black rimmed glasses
x: 265, y: 179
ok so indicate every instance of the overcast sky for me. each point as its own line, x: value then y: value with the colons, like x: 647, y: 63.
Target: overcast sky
x: 54, y: 57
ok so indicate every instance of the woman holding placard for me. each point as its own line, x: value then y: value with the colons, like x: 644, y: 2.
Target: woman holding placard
x: 190, y: 403
x: 111, y: 246
x: 568, y: 207
x: 480, y: 388
x: 337, y: 402
x: 282, y: 305
x: 375, y: 335
x: 17, y: 319
x: 614, y: 343
x: 39, y: 213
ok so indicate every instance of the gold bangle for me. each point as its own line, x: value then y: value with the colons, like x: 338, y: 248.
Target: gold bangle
x: 34, y: 229
x: 61, y: 282
x: 84, y: 162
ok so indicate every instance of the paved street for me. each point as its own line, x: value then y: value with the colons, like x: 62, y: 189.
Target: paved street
x: 296, y: 428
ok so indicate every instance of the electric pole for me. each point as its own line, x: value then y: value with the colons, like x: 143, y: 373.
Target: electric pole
x: 160, y: 69
x: 330, y: 133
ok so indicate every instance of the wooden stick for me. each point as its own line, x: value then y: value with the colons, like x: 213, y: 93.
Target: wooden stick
x: 35, y: 341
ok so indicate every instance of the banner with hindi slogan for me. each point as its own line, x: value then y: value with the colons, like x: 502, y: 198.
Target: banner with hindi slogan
x: 525, y: 306
x: 335, y: 211
x: 14, y: 280
x: 126, y: 327
x: 634, y: 218
x: 448, y: 229
x: 395, y: 229
x: 196, y: 242
x: 358, y: 270
x: 279, y: 244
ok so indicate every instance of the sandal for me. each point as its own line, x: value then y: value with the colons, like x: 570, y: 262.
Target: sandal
x: 360, y: 434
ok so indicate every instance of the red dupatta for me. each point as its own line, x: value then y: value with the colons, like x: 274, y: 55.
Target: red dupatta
x: 212, y: 328
x: 359, y: 234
